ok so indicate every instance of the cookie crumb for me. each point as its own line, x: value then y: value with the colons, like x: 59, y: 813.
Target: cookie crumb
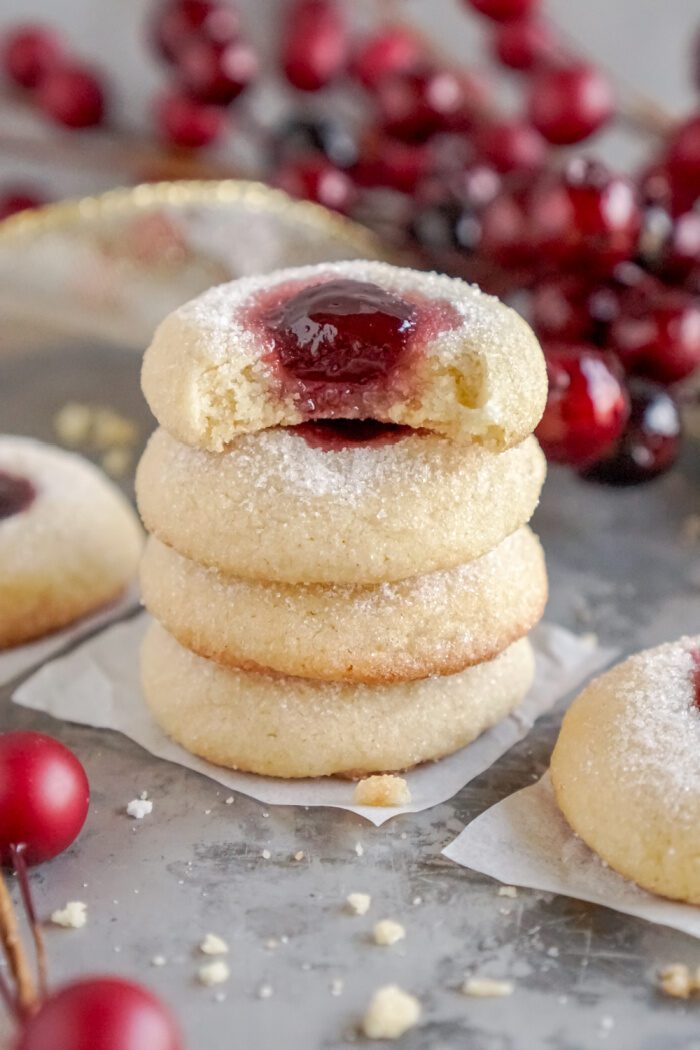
x: 266, y: 854
x: 299, y: 855
x: 230, y: 800
x: 388, y: 931
x: 337, y: 986
x: 358, y: 903
x: 265, y: 991
x: 213, y: 973
x: 507, y: 891
x: 676, y: 980
x: 73, y: 916
x: 117, y: 462
x: 384, y: 790
x: 391, y: 1012
x: 139, y: 808
x: 486, y: 987
x: 359, y: 849
x: 213, y: 945
x: 72, y: 423
x: 158, y: 960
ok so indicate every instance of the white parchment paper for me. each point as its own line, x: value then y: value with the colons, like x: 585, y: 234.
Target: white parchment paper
x: 97, y: 684
x: 525, y: 841
x: 16, y: 661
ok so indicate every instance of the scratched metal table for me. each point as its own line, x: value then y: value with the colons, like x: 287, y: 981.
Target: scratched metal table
x: 155, y: 887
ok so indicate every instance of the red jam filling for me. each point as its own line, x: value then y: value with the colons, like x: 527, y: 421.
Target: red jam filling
x: 16, y: 494
x: 695, y: 656
x: 332, y: 435
x: 344, y: 348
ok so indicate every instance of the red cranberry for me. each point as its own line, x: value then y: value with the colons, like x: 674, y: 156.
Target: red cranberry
x: 390, y: 50
x: 560, y: 310
x: 650, y: 442
x: 28, y: 53
x: 101, y: 1013
x: 178, y: 22
x: 72, y: 95
x: 317, y: 180
x: 184, y: 122
x: 315, y: 43
x: 217, y: 73
x: 16, y: 494
x: 511, y: 145
x: 684, y: 155
x: 413, y: 106
x: 390, y: 162
x: 587, y: 405
x: 505, y: 231
x: 681, y: 253
x: 504, y: 10
x: 589, y: 219
x: 333, y: 435
x: 660, y: 340
x: 14, y: 201
x: 341, y: 332
x: 525, y: 45
x: 569, y: 104
x: 44, y: 796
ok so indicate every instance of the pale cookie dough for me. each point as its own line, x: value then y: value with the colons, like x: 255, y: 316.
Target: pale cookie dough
x: 626, y: 769
x: 274, y: 508
x: 71, y: 544
x: 294, y: 727
x: 211, y: 373
x: 435, y: 624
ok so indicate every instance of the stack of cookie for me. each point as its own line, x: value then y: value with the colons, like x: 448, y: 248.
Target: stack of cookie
x: 340, y: 565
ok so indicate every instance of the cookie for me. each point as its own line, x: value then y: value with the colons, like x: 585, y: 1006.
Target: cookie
x: 275, y: 506
x: 435, y: 624
x: 348, y: 340
x: 295, y: 727
x: 626, y: 769
x: 69, y: 541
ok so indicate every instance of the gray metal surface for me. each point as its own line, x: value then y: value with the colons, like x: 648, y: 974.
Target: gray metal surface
x: 584, y: 976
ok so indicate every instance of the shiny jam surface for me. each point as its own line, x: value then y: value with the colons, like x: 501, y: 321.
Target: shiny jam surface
x: 333, y: 435
x: 16, y: 494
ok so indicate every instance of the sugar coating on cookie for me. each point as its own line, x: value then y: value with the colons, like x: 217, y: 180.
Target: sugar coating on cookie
x: 274, y: 507
x: 69, y: 541
x: 347, y: 340
x: 434, y: 624
x: 626, y: 768
x: 295, y: 727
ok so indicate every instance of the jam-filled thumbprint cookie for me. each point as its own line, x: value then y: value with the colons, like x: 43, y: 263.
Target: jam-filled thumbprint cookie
x: 69, y: 541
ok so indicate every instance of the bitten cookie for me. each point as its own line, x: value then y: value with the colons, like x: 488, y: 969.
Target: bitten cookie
x: 69, y: 541
x: 276, y: 507
x: 435, y: 624
x: 294, y: 727
x: 352, y: 340
x: 626, y: 768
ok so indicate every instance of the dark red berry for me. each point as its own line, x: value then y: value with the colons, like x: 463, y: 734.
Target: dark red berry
x: 315, y: 43
x: 659, y: 339
x: 72, y: 95
x: 504, y: 10
x: 587, y: 406
x: 13, y: 201
x: 505, y: 231
x: 28, y: 52
x: 178, y: 22
x: 413, y: 106
x: 316, y: 179
x: 101, y: 1013
x: 511, y: 145
x: 526, y: 44
x: 184, y: 122
x: 44, y: 796
x: 390, y: 162
x: 568, y: 104
x: 683, y: 157
x: 16, y: 494
x: 650, y: 442
x: 217, y: 73
x: 390, y: 50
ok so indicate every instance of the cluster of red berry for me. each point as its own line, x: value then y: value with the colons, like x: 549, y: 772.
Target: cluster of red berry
x: 607, y: 267
x: 44, y: 798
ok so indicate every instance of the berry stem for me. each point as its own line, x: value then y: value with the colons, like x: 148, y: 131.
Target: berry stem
x: 14, y: 951
x: 20, y: 867
x: 8, y: 999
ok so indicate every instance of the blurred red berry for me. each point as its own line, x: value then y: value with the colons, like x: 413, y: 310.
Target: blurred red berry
x: 650, y: 442
x: 511, y: 145
x: 413, y: 106
x: 385, y: 161
x: 587, y: 406
x: 569, y: 104
x: 659, y: 339
x: 72, y: 95
x: 317, y: 180
x: 28, y: 52
x: 391, y: 50
x: 177, y: 22
x: 184, y: 122
x: 217, y: 73
x: 525, y: 44
x: 505, y: 232
x: 16, y: 200
x: 683, y: 157
x: 504, y: 10
x: 315, y: 43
